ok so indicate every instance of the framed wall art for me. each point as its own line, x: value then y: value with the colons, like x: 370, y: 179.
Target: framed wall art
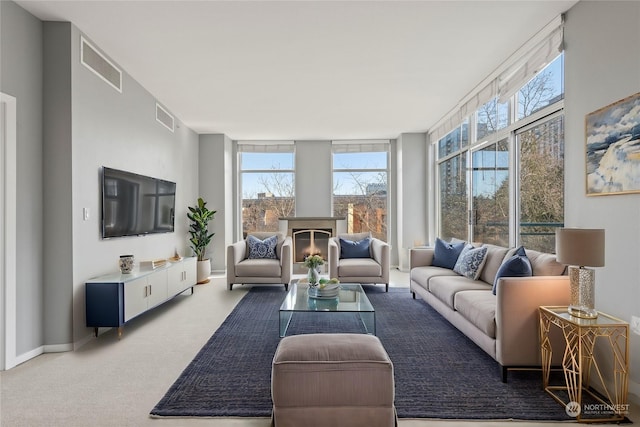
x: 613, y: 148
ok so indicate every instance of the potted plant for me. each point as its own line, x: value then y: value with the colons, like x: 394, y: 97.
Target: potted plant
x: 200, y: 216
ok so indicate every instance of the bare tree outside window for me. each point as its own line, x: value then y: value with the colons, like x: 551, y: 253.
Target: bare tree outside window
x: 360, y: 192
x: 268, y: 191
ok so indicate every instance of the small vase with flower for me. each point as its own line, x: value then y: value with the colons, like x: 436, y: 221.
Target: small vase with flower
x: 313, y: 263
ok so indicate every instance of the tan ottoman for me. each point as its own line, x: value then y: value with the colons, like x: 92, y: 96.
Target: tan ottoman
x: 332, y: 380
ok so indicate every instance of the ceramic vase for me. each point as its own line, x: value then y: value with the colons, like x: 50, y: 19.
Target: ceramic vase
x: 126, y: 264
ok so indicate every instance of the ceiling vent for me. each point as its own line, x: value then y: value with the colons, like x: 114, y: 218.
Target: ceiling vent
x: 164, y: 117
x: 95, y: 61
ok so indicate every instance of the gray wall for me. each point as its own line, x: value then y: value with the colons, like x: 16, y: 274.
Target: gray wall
x: 21, y: 77
x: 411, y: 193
x: 216, y: 188
x: 314, y: 181
x: 57, y: 242
x: 602, y: 65
x: 119, y: 130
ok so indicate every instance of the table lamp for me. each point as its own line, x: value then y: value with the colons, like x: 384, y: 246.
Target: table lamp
x: 577, y: 248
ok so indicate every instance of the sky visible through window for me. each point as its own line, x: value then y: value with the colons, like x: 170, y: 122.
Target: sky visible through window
x: 264, y: 163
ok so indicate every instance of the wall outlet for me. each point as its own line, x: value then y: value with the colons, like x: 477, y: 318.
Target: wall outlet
x: 635, y: 325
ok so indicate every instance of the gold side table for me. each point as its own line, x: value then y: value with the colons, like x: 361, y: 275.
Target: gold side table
x: 580, y: 364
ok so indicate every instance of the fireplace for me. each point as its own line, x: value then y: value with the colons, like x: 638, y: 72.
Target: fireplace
x: 310, y: 235
x: 310, y: 242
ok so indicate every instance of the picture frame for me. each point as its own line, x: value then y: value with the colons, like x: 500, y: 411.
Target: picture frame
x: 612, y: 142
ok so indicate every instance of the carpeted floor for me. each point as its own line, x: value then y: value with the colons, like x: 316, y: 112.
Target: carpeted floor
x: 439, y: 373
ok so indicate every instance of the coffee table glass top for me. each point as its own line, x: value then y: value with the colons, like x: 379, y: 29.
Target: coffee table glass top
x: 351, y: 298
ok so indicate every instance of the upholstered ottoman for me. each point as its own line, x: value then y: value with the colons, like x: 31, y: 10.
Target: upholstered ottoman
x: 332, y: 380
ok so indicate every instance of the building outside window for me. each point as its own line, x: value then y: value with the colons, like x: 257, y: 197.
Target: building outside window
x: 360, y: 185
x: 267, y: 184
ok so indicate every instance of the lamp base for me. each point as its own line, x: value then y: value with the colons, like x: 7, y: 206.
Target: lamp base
x: 582, y: 312
x: 582, y: 281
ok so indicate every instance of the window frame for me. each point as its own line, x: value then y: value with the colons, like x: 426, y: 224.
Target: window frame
x: 360, y: 147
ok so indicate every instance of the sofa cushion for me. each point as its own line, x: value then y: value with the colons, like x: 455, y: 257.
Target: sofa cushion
x: 355, y: 249
x: 422, y: 275
x: 445, y: 288
x: 479, y: 308
x: 259, y: 249
x: 446, y: 254
x: 495, y: 257
x: 471, y: 261
x: 516, y: 266
x: 258, y: 268
x: 359, y: 267
x: 544, y: 264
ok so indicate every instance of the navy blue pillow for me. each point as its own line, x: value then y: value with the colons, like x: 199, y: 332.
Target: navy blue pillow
x: 351, y: 249
x: 446, y: 254
x: 516, y: 266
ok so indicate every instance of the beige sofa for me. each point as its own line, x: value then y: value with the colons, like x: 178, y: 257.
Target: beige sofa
x: 505, y: 325
x: 241, y: 269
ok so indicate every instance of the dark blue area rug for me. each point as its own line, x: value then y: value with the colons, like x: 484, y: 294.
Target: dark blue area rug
x: 439, y: 373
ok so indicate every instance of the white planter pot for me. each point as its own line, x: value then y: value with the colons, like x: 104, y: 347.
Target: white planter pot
x: 204, y: 271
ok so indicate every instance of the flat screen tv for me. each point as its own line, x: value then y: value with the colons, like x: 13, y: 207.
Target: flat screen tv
x: 134, y: 205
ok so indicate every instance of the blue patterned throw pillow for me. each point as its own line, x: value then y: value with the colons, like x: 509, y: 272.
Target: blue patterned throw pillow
x: 446, y: 254
x: 516, y: 266
x: 262, y: 249
x: 471, y: 261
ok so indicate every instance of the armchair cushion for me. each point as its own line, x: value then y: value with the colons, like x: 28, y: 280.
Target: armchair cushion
x: 258, y: 268
x: 359, y: 267
x: 355, y: 249
x: 262, y: 249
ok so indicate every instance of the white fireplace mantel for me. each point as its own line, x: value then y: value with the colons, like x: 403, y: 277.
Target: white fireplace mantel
x: 337, y: 224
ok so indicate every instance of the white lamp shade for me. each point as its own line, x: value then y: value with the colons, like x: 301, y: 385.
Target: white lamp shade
x: 580, y: 246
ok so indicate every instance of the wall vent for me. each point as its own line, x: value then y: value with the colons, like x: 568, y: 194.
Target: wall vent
x: 95, y: 61
x: 165, y: 118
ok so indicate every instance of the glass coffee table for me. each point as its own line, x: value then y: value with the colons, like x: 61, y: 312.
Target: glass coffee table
x: 350, y: 299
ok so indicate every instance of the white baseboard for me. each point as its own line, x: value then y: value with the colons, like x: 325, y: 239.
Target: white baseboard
x: 83, y: 341
x: 21, y: 358
x: 58, y: 348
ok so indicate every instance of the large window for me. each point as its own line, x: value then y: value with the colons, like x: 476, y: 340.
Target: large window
x: 490, y: 184
x: 477, y: 200
x: 541, y: 154
x: 267, y: 185
x: 360, y: 186
x: 454, y: 202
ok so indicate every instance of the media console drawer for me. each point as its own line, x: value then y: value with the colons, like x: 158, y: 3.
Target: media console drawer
x: 114, y: 299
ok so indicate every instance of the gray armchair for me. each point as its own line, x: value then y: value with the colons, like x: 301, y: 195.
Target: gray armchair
x: 242, y: 270
x: 373, y: 269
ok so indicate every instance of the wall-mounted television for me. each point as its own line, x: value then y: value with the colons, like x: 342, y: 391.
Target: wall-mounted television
x: 134, y: 204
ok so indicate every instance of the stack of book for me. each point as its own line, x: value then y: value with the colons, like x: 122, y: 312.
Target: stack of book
x: 152, y: 265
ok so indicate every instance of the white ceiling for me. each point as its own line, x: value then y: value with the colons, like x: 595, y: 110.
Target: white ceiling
x: 307, y: 69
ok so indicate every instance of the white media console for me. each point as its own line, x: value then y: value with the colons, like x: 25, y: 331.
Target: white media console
x: 114, y: 299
